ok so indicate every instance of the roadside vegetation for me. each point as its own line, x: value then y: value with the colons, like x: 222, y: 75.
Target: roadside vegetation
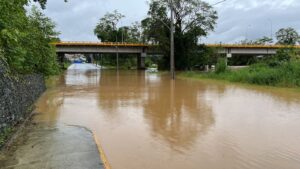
x: 25, y: 38
x: 284, y: 75
x: 282, y: 70
x: 194, y: 19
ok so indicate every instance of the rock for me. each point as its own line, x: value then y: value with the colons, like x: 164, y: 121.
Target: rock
x: 17, y: 95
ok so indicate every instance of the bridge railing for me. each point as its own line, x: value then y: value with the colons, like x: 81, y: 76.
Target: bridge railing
x: 253, y: 46
x: 85, y: 43
x: 126, y: 44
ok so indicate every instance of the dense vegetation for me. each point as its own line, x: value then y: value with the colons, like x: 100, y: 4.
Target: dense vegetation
x: 108, y: 30
x: 25, y: 38
x: 281, y: 70
x: 193, y: 20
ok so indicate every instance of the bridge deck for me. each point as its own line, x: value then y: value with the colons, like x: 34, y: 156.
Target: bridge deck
x: 122, y: 44
x: 104, y: 44
x: 140, y: 48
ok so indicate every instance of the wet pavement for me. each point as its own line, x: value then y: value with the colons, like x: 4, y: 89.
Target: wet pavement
x: 147, y: 121
x: 61, y: 147
x: 47, y: 145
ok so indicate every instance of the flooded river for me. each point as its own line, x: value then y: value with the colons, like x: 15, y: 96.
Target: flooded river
x: 147, y: 121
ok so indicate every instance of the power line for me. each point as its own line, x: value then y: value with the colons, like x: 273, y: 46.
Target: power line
x: 218, y: 2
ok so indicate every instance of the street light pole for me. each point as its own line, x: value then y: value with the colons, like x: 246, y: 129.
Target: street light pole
x: 271, y: 28
x: 172, y: 59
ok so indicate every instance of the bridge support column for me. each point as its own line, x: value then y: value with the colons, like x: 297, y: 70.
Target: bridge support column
x: 141, y: 61
x: 61, y: 58
x: 228, y: 56
x: 90, y: 58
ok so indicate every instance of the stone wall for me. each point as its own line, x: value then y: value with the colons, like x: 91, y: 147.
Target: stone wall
x: 17, y: 95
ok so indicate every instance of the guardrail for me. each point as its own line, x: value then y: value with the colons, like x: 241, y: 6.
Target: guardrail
x: 78, y: 43
x: 253, y: 46
x: 126, y: 44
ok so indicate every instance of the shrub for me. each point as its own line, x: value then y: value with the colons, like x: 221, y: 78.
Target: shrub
x: 286, y: 74
x: 25, y: 39
x: 221, y: 66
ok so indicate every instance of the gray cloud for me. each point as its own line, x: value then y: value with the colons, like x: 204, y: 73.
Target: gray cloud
x: 238, y: 19
x: 253, y: 19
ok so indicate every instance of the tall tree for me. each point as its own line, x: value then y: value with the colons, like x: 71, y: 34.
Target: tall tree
x: 44, y: 2
x: 287, y: 36
x: 107, y: 28
x: 24, y: 38
x: 193, y: 20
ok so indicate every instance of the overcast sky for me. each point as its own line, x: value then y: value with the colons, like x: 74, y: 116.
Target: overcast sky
x: 238, y: 19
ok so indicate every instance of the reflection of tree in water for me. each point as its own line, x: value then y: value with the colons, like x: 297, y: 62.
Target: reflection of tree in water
x: 120, y: 89
x: 178, y: 113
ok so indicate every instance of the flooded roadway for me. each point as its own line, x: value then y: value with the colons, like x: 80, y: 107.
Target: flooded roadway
x: 147, y: 121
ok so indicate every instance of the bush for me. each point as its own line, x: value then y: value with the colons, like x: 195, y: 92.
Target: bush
x: 287, y: 74
x: 221, y: 66
x: 25, y: 39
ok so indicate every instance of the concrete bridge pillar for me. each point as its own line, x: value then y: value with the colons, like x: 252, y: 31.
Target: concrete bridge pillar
x: 90, y: 58
x: 61, y: 58
x: 141, y: 61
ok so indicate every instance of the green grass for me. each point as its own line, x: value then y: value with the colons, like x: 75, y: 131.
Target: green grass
x: 286, y: 74
x: 4, y: 135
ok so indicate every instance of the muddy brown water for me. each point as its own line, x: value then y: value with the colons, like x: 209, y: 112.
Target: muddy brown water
x: 147, y: 121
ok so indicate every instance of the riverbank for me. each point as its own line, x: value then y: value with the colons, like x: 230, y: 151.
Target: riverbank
x: 284, y: 75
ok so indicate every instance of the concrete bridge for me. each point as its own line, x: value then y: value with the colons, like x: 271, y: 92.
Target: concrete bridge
x: 142, y: 50
x: 237, y: 49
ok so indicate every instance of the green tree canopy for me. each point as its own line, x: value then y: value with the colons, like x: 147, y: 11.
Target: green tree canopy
x: 193, y: 20
x: 287, y: 36
x: 44, y: 2
x: 264, y: 40
x: 25, y: 39
x: 107, y: 29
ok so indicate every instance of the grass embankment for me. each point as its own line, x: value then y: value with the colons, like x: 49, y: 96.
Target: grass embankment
x: 286, y: 74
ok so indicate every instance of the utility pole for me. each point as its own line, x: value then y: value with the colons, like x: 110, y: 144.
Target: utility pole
x: 117, y: 54
x: 117, y: 58
x: 271, y: 28
x: 172, y: 59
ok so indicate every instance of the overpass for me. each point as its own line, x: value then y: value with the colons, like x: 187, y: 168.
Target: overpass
x: 238, y: 49
x: 142, y: 50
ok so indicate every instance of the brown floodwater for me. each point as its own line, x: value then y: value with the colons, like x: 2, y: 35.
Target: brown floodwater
x: 147, y: 121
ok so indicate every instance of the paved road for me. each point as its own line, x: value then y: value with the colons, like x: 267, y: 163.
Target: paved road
x: 47, y: 146
x: 60, y: 147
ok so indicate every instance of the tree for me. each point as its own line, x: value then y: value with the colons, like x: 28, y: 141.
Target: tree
x: 135, y: 33
x: 41, y: 33
x: 44, y: 2
x: 264, y: 40
x: 287, y: 36
x: 106, y: 30
x: 25, y: 39
x: 193, y: 20
x: 261, y: 41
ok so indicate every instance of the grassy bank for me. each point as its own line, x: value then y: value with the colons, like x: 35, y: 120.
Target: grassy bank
x: 286, y: 74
